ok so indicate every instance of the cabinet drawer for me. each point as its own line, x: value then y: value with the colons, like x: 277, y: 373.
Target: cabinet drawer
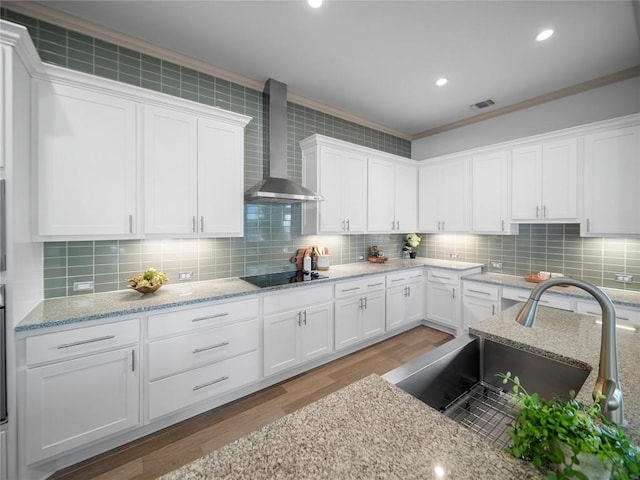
x: 593, y: 309
x: 297, y: 298
x: 184, y: 321
x: 68, y: 344
x: 404, y: 277
x: 185, y: 389
x: 178, y: 354
x: 547, y: 300
x: 443, y: 276
x: 347, y: 289
x: 478, y: 290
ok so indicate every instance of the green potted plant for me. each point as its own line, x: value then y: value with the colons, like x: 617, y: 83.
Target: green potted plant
x: 564, y: 437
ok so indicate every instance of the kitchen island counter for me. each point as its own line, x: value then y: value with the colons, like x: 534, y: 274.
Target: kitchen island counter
x: 81, y: 308
x: 371, y: 429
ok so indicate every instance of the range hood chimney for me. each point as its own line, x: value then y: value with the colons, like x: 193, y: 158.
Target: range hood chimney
x: 276, y: 187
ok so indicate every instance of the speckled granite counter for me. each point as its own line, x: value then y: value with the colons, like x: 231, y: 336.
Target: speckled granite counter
x: 371, y: 429
x: 618, y: 296
x: 69, y: 310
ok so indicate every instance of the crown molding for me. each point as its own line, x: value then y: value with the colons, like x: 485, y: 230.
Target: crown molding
x: 532, y: 102
x: 47, y: 14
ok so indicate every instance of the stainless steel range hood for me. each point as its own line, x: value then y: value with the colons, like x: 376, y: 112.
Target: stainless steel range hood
x: 276, y: 187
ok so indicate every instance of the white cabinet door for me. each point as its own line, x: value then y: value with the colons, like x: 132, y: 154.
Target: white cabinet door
x: 414, y: 302
x: 220, y: 179
x: 193, y: 175
x: 86, y: 163
x: 406, y: 198
x: 281, y: 342
x: 476, y: 309
x: 170, y: 172
x: 526, y: 177
x: 373, y: 315
x: 444, y: 197
x: 544, y: 182
x: 353, y: 184
x: 395, y: 307
x: 343, y: 184
x: 381, y: 188
x: 72, y: 403
x: 611, y: 179
x: 428, y: 198
x: 490, y: 191
x: 348, y: 314
x: 442, y: 306
x: 294, y: 337
x: 316, y: 332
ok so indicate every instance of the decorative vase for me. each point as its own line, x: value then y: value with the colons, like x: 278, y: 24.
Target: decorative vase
x: 412, y: 254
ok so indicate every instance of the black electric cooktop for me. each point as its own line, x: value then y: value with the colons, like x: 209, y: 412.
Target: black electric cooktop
x: 280, y: 278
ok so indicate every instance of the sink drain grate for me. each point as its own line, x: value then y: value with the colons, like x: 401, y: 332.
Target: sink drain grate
x: 485, y: 409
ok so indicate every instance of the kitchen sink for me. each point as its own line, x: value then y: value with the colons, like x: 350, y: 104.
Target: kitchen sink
x: 460, y: 380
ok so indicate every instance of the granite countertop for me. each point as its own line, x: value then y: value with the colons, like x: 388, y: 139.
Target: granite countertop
x: 372, y: 429
x: 69, y: 310
x: 620, y: 297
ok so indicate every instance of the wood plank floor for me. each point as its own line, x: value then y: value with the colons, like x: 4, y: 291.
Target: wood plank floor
x: 172, y: 447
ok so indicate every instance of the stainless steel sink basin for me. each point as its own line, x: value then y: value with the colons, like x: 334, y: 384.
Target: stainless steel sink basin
x: 460, y: 379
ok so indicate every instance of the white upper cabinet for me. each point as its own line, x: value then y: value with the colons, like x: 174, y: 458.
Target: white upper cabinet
x: 92, y: 137
x: 393, y: 196
x: 611, y: 179
x: 544, y: 182
x: 443, y: 195
x: 490, y: 190
x: 193, y: 175
x: 337, y: 171
x: 86, y: 162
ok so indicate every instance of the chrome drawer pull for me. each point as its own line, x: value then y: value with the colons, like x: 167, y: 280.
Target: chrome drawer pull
x: 478, y: 291
x: 210, y: 317
x: 397, y: 279
x: 375, y: 284
x: 351, y: 289
x: 440, y: 276
x: 204, y: 349
x: 212, y: 382
x: 82, y: 342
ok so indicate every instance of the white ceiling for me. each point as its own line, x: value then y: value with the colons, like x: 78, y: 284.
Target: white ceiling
x: 379, y: 59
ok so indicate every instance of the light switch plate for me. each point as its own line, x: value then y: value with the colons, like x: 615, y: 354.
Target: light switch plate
x: 621, y: 277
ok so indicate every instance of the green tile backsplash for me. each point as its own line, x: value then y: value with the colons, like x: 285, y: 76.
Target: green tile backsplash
x: 272, y: 230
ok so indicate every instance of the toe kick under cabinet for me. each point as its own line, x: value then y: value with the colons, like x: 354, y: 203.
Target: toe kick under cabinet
x: 196, y: 354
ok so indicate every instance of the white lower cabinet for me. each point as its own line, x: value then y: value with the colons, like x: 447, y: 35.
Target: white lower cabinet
x: 359, y: 311
x: 405, y: 297
x: 479, y: 301
x: 196, y: 354
x: 70, y: 403
x: 301, y: 331
x: 625, y: 315
x: 444, y: 305
x: 547, y: 300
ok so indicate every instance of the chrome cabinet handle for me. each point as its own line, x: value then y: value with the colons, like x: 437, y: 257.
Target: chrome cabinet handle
x: 503, y: 225
x: 588, y: 226
x: 493, y: 309
x: 211, y: 347
x: 193, y: 224
x: 202, y: 223
x: 304, y: 316
x: 438, y: 225
x: 544, y: 211
x: 453, y: 293
x: 440, y: 276
x: 348, y: 225
x: 212, y: 382
x: 84, y: 342
x: 130, y: 223
x: 133, y: 360
x: 375, y: 284
x: 210, y: 317
x: 350, y: 289
x: 299, y: 319
x: 478, y: 291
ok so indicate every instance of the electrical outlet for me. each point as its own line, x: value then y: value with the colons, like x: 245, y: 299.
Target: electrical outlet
x: 185, y: 276
x: 497, y: 265
x: 83, y: 286
x: 623, y: 278
x: 360, y: 258
x: 453, y: 256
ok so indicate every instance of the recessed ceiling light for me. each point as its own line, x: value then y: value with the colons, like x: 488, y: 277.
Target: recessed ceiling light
x: 315, y: 3
x: 544, y: 35
x: 441, y: 81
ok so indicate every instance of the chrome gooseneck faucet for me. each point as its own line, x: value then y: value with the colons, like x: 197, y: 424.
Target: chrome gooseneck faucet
x: 607, y: 391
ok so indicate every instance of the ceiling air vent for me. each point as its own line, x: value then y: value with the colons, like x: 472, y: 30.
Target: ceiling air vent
x: 481, y: 105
